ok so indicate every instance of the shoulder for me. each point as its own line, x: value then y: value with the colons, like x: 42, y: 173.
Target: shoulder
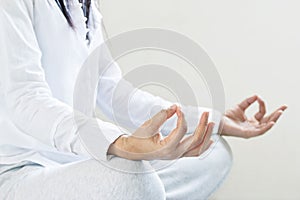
x: 21, y: 8
x: 10, y: 4
x: 16, y: 7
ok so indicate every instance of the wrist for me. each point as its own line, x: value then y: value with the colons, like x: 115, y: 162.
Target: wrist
x: 223, y: 126
x: 220, y: 130
x: 127, y: 147
x: 117, y: 148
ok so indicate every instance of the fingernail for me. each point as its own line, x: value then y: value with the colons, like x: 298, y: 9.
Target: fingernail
x: 179, y: 113
x: 173, y: 107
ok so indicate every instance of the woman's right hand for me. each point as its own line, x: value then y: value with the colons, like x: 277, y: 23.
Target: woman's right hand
x: 148, y: 144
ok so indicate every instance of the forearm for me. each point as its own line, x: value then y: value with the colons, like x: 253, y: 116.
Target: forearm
x: 131, y: 107
x: 223, y: 126
x: 226, y: 127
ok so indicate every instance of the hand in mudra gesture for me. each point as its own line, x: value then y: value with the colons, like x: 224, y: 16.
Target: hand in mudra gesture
x: 148, y: 144
x: 236, y: 123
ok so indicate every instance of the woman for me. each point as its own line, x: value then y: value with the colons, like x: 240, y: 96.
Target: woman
x: 42, y: 156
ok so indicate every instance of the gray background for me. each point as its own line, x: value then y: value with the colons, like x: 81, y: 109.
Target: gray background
x: 255, y: 46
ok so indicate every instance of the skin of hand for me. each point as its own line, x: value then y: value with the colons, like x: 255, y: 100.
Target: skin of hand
x: 147, y: 142
x: 236, y: 123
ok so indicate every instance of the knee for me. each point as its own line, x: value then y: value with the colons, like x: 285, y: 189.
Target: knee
x: 221, y: 155
x: 134, y: 180
x: 218, y: 156
x: 145, y: 182
x: 215, y: 162
x: 147, y: 187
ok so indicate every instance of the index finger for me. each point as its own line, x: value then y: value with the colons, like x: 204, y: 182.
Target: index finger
x: 160, y: 118
x: 178, y: 133
x: 262, y: 109
x: 247, y: 102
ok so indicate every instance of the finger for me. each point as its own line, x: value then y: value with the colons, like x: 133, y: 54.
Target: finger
x: 201, y: 128
x: 283, y: 108
x: 276, y: 116
x: 197, y: 138
x: 200, y: 145
x: 160, y: 118
x: 178, y: 133
x: 208, y: 134
x: 198, y: 150
x: 262, y: 109
x: 268, y: 118
x: 247, y: 102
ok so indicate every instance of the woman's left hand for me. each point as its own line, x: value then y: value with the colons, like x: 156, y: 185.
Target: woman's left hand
x: 236, y: 123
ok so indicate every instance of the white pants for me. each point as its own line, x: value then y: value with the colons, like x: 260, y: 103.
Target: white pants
x: 188, y: 178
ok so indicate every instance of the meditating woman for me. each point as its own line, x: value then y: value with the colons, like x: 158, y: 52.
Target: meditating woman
x: 46, y: 154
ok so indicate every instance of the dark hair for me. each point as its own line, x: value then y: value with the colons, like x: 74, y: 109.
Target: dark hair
x: 86, y: 4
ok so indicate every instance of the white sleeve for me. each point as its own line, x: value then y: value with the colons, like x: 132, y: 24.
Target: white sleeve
x: 31, y: 106
x: 130, y: 107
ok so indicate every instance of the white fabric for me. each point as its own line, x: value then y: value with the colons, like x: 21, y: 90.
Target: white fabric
x: 93, y: 182
x: 40, y: 58
x: 187, y: 178
x: 196, y: 178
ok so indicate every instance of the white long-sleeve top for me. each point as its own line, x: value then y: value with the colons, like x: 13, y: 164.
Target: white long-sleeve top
x: 40, y: 57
